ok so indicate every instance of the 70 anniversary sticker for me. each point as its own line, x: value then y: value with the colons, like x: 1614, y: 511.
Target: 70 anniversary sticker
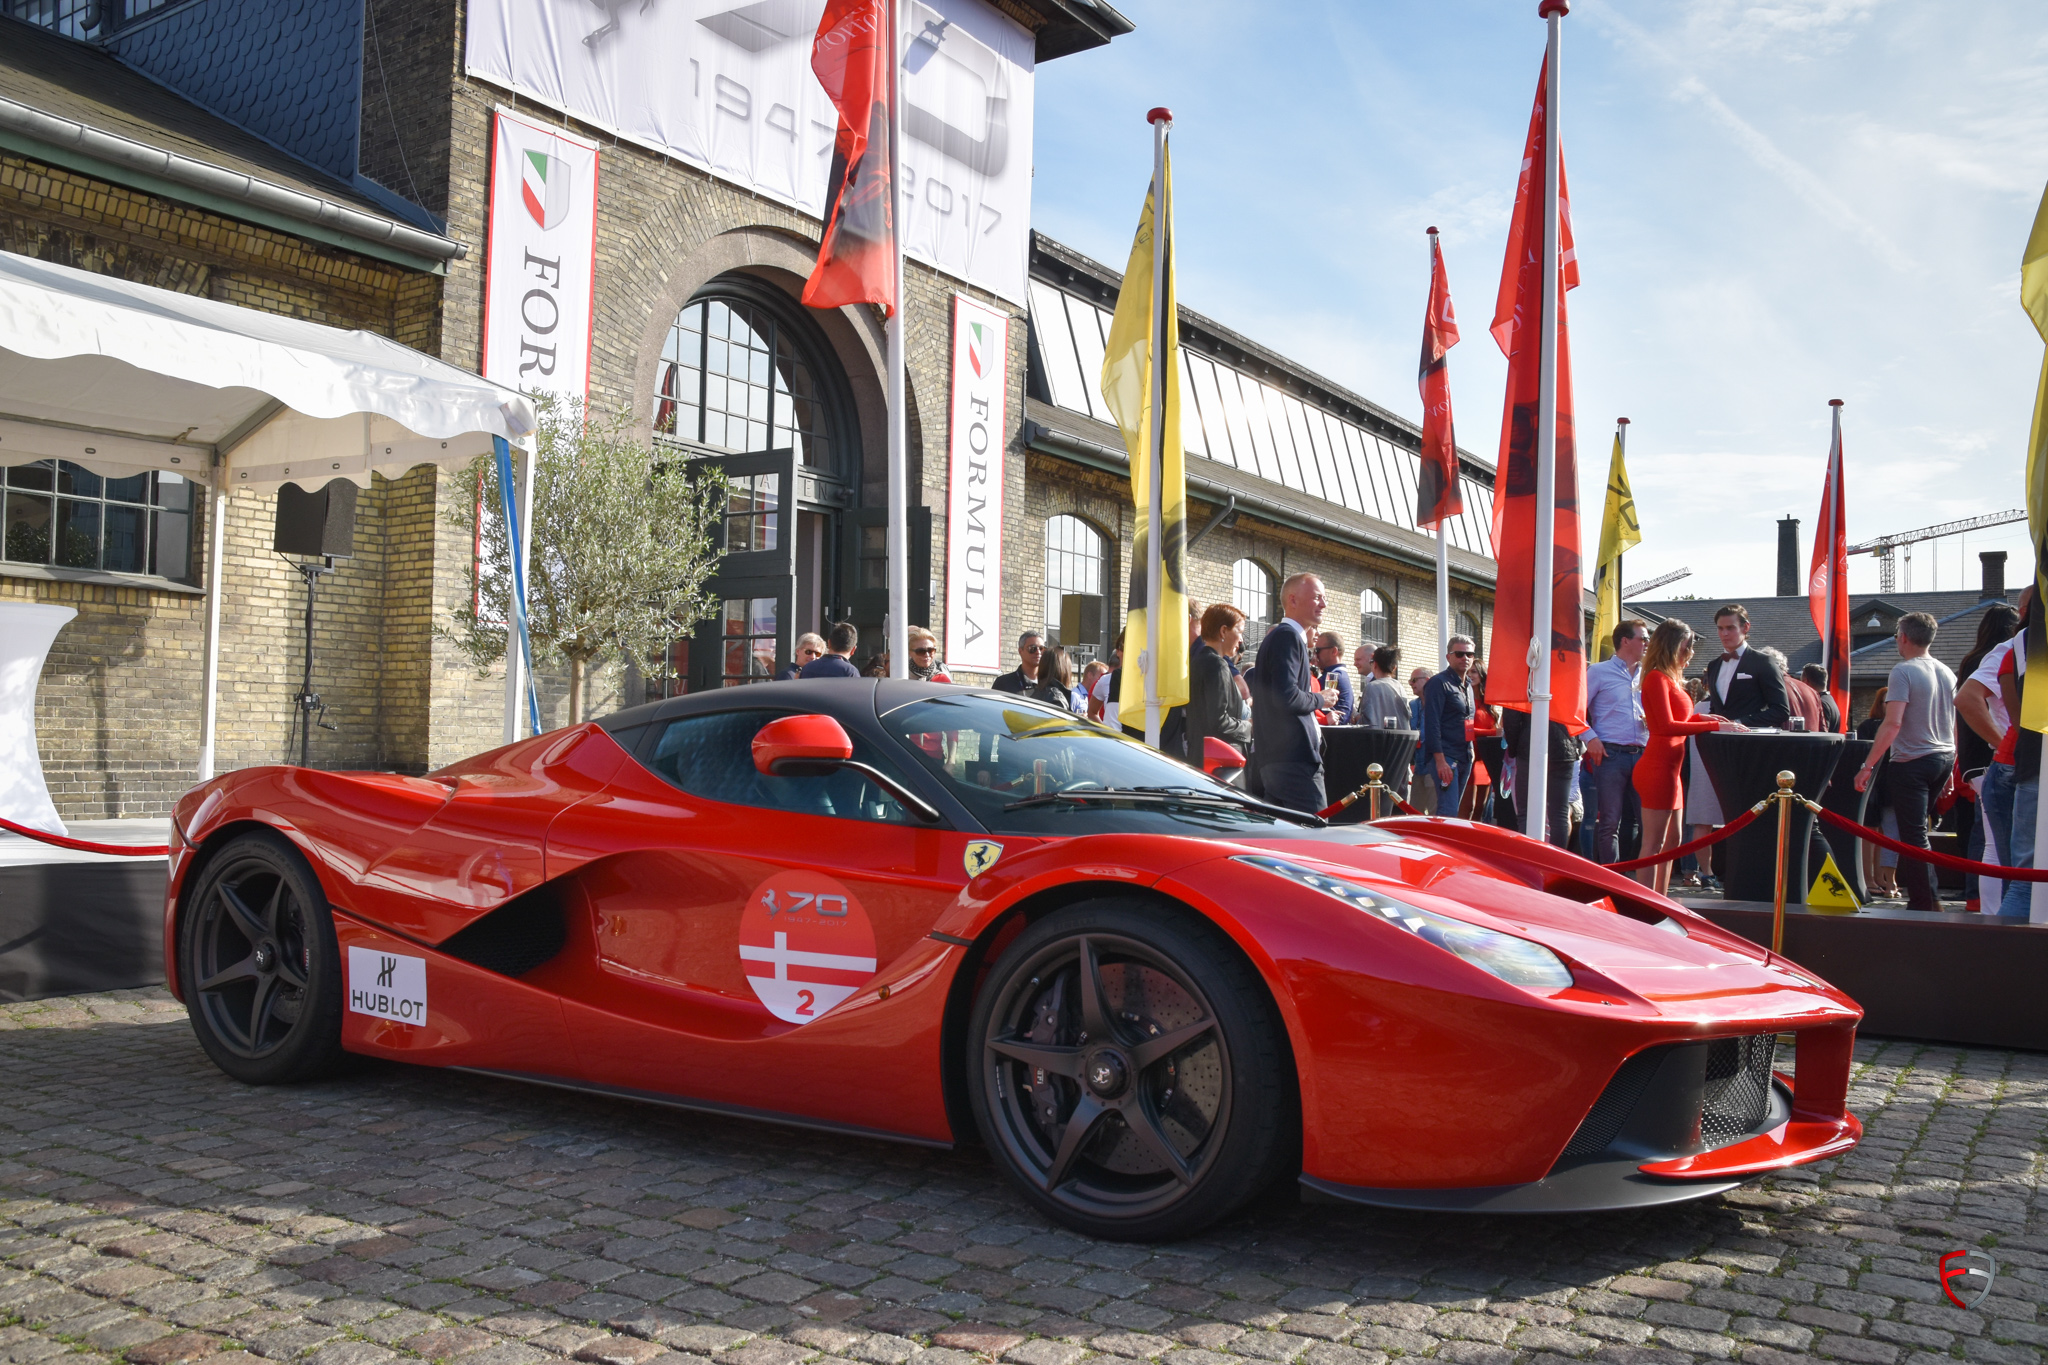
x: 806, y: 944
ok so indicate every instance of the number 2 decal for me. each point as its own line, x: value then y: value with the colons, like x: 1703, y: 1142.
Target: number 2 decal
x: 806, y: 999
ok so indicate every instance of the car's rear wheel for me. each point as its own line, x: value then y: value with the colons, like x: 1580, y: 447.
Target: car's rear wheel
x: 1130, y: 1071
x: 260, y: 966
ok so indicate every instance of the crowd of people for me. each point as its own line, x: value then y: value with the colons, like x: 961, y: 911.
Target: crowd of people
x: 1629, y: 784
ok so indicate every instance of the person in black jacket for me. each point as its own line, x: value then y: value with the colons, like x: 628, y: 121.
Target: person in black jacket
x: 1565, y: 749
x: 1030, y: 650
x: 1285, y: 736
x: 1216, y: 699
x: 1743, y: 684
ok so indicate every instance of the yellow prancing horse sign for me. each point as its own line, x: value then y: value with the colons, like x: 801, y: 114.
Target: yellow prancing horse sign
x: 981, y: 856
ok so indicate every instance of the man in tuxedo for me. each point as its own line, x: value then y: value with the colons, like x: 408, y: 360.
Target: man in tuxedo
x: 1743, y: 684
x: 1287, y: 744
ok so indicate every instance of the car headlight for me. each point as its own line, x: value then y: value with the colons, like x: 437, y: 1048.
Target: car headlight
x: 1517, y: 961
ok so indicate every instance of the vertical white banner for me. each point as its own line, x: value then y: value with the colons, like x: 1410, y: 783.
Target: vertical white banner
x: 541, y: 260
x: 974, y: 497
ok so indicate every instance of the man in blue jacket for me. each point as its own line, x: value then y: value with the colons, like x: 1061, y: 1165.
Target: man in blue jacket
x: 1443, y: 751
x: 838, y: 659
x: 1287, y: 744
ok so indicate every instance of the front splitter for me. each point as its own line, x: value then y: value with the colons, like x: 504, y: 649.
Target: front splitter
x: 1594, y: 1187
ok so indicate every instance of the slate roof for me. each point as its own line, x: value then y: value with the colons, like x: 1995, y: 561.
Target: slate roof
x: 80, y: 82
x: 287, y: 70
x: 1785, y: 623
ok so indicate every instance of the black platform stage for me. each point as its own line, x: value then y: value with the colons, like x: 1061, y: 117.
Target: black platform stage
x: 1946, y: 978
x: 71, y: 927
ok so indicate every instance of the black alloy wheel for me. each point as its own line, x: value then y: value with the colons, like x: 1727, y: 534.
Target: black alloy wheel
x: 1130, y: 1071
x: 259, y: 964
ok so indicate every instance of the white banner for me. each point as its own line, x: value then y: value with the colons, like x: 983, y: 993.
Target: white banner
x: 726, y: 85
x: 540, y: 263
x: 974, y: 497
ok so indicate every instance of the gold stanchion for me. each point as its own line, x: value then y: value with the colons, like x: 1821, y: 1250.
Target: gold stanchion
x: 1784, y: 796
x: 1373, y: 773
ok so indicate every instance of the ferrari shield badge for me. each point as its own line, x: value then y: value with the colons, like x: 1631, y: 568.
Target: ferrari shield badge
x: 981, y: 856
x: 805, y: 944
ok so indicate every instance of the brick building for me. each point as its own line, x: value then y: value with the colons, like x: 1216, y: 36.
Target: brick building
x: 330, y: 159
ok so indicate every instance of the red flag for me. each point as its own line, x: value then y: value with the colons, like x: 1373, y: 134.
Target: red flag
x: 852, y: 59
x: 1517, y: 318
x: 1827, y: 581
x: 1437, y: 495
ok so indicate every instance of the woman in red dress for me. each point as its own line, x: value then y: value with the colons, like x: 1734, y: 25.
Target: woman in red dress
x: 1667, y: 710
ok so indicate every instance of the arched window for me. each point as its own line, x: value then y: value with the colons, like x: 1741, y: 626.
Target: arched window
x: 1375, y: 626
x: 735, y: 377
x: 1468, y: 624
x: 1252, y: 591
x: 1073, y: 564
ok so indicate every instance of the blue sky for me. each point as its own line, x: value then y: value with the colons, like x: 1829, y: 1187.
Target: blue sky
x: 1777, y: 203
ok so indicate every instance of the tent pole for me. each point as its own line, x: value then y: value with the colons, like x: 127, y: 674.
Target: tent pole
x: 216, y: 538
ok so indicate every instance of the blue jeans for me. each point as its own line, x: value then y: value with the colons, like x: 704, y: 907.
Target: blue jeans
x: 1997, y: 797
x: 2019, y: 896
x: 1448, y: 795
x: 1615, y: 803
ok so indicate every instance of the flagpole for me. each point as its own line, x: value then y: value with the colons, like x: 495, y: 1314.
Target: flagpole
x: 1443, y: 546
x: 896, y: 631
x: 1155, y: 457
x: 1621, y: 437
x: 1835, y: 588
x: 1534, y: 820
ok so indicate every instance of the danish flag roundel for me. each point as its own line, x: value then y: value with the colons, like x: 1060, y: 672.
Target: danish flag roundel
x: 805, y: 944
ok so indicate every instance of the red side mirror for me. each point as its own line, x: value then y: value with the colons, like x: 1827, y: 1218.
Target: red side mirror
x: 1219, y: 755
x: 816, y: 739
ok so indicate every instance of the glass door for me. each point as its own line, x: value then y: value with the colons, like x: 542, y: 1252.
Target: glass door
x: 751, y: 635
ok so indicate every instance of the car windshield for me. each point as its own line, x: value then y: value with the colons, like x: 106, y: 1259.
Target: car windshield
x: 1023, y: 768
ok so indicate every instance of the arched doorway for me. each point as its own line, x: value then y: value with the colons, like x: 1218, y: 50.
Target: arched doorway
x: 748, y: 380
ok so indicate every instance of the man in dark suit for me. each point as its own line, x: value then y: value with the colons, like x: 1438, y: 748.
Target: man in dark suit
x: 1287, y: 744
x: 1743, y: 684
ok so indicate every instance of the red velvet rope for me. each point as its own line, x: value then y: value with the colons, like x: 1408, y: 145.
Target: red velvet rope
x: 1928, y: 855
x: 84, y: 846
x: 1695, y: 846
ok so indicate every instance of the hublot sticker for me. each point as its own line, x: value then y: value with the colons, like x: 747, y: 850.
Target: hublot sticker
x: 387, y: 985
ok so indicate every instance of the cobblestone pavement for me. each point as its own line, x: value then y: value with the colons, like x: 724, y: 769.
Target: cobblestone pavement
x: 152, y: 1210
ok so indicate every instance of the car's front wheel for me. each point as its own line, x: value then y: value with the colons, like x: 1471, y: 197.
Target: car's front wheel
x: 1130, y: 1071
x: 259, y: 964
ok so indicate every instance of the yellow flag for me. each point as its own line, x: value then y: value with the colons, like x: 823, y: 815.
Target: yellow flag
x: 1620, y: 532
x: 1830, y: 889
x: 2034, y: 298
x: 1145, y: 333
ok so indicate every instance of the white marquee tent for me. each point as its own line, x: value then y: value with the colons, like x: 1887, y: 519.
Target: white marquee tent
x: 121, y: 377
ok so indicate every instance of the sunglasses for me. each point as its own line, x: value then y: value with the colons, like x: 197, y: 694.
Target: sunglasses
x: 1034, y: 649
x: 1461, y: 654
x: 924, y: 649
x: 814, y: 653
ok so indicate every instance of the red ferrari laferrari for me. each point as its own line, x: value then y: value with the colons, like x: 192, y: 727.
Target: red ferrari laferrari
x: 926, y: 913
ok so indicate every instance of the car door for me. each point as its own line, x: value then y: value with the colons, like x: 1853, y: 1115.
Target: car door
x: 735, y: 922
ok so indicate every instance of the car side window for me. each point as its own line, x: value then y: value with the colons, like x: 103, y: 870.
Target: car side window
x: 712, y: 756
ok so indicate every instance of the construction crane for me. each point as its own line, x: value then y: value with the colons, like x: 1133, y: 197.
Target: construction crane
x: 1638, y: 589
x: 1882, y: 547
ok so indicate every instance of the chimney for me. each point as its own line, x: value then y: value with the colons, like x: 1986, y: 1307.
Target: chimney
x: 1788, y: 557
x: 1994, y: 575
